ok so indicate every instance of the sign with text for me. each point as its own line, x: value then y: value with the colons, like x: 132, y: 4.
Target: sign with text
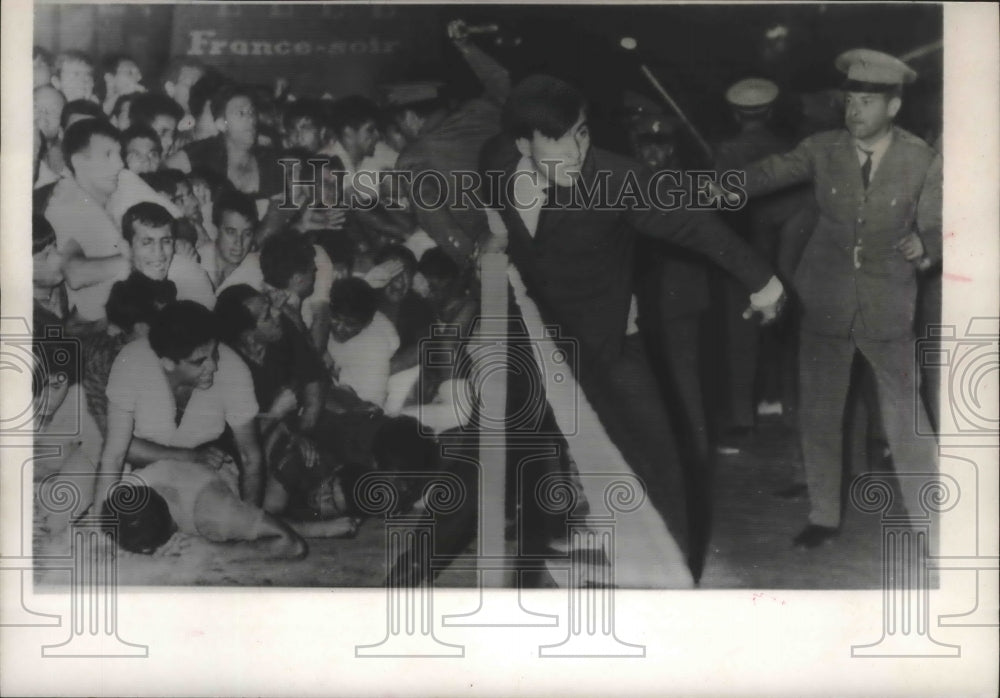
x: 317, y: 48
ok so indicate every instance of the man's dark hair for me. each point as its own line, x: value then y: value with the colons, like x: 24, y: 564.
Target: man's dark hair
x: 354, y: 300
x: 339, y: 246
x: 232, y: 316
x: 204, y: 89
x: 542, y: 103
x: 42, y: 233
x: 139, y: 516
x: 78, y: 136
x: 180, y: 328
x: 122, y: 101
x: 39, y: 52
x: 436, y: 264
x: 110, y: 63
x: 307, y: 108
x: 80, y: 107
x: 400, y: 252
x: 232, y: 200
x: 149, y: 214
x: 139, y: 131
x: 284, y: 254
x: 137, y: 299
x: 149, y: 105
x: 353, y: 111
x: 165, y: 181
x: 71, y: 56
x: 227, y: 93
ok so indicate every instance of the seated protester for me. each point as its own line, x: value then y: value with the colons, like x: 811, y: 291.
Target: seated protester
x: 73, y: 75
x: 207, y: 187
x: 234, y: 216
x: 131, y: 307
x: 41, y: 64
x: 61, y: 426
x: 410, y: 314
x: 234, y: 153
x: 78, y: 110
x: 171, y: 397
x: 289, y: 380
x: 298, y: 276
x: 48, y: 104
x: 51, y: 307
x: 179, y: 496
x: 150, y: 231
x: 174, y: 185
x: 362, y: 340
x: 288, y: 375
x: 303, y: 125
x: 200, y: 107
x: 180, y: 76
x: 121, y: 77
x: 93, y: 251
x: 141, y: 149
x: 121, y: 117
x: 159, y: 113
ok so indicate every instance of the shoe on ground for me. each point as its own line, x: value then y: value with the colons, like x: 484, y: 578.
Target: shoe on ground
x: 813, y: 536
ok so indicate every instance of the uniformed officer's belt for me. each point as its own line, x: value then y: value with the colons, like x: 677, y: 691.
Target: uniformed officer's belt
x: 861, y: 254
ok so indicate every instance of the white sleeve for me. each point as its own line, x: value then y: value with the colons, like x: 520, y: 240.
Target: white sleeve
x: 236, y: 383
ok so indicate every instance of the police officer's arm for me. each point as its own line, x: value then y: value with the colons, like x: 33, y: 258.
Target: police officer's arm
x: 780, y: 171
x: 929, y: 226
x: 441, y: 226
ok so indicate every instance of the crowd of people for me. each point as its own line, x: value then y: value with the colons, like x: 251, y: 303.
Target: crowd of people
x: 251, y: 347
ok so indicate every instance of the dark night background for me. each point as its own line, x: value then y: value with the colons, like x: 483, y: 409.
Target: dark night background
x: 695, y: 50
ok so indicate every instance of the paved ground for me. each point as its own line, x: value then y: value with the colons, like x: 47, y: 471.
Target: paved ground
x: 750, y: 545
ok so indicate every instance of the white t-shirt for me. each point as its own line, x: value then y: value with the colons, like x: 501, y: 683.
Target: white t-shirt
x: 75, y: 216
x: 363, y: 360
x: 191, y: 281
x: 138, y: 385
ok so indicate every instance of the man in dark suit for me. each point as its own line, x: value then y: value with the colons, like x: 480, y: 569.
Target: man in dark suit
x: 576, y: 258
x: 878, y: 189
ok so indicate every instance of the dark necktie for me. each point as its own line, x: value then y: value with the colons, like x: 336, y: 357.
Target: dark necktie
x: 866, y: 167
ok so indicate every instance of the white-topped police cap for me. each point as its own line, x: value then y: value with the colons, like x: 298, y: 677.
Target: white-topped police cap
x: 402, y: 93
x: 873, y: 71
x: 752, y: 93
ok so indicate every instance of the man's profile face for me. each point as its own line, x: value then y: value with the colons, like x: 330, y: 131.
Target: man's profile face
x: 152, y: 250
x: 75, y: 80
x: 126, y: 78
x: 303, y: 283
x: 559, y: 160
x: 345, y: 328
x: 99, y: 163
x: 165, y: 127
x: 198, y: 369
x: 142, y: 155
x: 306, y: 134
x: 239, y: 121
x: 868, y: 114
x: 48, y: 106
x: 235, y: 236
x: 180, y: 91
x: 185, y: 200
x: 41, y: 72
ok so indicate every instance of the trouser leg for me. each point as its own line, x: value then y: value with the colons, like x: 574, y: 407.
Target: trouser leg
x: 824, y: 378
x: 682, y: 347
x: 897, y: 378
x: 742, y: 345
x: 626, y: 397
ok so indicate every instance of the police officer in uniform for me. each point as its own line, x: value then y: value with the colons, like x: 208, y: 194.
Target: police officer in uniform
x: 878, y: 189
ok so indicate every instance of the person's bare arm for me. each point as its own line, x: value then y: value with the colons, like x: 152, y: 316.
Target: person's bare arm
x: 312, y: 405
x: 142, y: 452
x: 116, y: 446
x: 252, y: 482
x: 82, y: 271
